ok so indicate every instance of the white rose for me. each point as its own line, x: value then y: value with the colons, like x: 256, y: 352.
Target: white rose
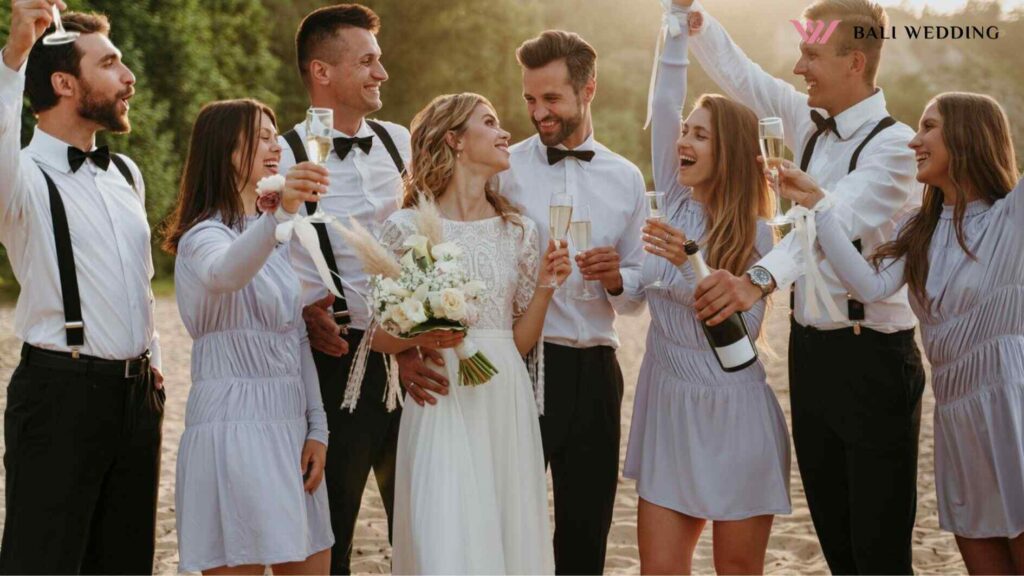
x: 418, y: 244
x: 400, y: 318
x: 389, y: 286
x: 446, y: 250
x: 474, y: 288
x: 414, y: 311
x: 451, y: 303
x: 272, y: 183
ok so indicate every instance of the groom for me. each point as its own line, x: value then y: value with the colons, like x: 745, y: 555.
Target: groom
x: 580, y: 421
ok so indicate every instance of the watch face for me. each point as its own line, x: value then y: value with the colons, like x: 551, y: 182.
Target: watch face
x: 760, y: 276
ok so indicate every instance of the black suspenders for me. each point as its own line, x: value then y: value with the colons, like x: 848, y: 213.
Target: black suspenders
x: 854, y: 308
x: 74, y: 328
x: 340, y: 306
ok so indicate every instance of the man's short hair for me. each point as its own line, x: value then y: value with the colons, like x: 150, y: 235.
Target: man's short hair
x: 322, y: 25
x: 852, y: 14
x: 580, y: 57
x: 44, y: 61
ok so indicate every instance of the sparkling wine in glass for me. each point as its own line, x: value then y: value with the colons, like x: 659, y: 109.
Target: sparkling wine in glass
x: 60, y: 35
x: 773, y: 150
x: 319, y: 129
x: 559, y: 216
x: 579, y: 231
x: 655, y: 211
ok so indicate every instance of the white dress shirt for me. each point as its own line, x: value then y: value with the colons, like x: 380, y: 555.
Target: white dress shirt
x: 614, y: 189
x: 868, y: 202
x: 365, y: 186
x: 109, y: 235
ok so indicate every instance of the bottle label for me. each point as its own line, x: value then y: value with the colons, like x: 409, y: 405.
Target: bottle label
x: 736, y: 354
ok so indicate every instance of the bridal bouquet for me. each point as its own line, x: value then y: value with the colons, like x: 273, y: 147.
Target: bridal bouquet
x: 426, y: 289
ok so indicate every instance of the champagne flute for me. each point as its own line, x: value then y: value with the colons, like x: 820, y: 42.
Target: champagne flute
x: 559, y: 216
x: 60, y: 35
x: 655, y: 205
x: 319, y: 128
x: 579, y: 231
x: 772, y: 149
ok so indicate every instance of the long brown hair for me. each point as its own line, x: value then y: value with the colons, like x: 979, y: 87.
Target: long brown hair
x: 982, y: 163
x: 211, y: 184
x: 740, y: 192
x: 433, y: 160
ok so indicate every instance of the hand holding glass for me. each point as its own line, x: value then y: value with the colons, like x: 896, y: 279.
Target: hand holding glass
x: 773, y: 150
x: 559, y: 216
x: 319, y: 128
x: 579, y: 231
x: 60, y: 35
x: 655, y: 207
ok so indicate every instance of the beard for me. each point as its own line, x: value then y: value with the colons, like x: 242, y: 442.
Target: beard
x: 568, y: 126
x: 104, y: 111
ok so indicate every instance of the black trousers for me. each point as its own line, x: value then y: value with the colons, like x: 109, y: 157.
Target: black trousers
x: 856, y: 417
x: 361, y: 440
x: 82, y: 470
x: 581, y: 429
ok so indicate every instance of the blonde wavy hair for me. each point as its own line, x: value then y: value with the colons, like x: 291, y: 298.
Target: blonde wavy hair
x: 433, y: 159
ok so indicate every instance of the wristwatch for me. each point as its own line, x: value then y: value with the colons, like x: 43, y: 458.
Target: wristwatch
x: 762, y: 278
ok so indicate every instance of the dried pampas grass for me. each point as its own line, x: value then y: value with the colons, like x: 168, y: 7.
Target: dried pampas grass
x: 376, y: 258
x: 428, y: 220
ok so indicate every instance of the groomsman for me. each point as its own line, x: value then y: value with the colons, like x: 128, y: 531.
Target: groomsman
x: 580, y: 422
x: 85, y: 405
x: 855, y: 373
x: 339, y: 61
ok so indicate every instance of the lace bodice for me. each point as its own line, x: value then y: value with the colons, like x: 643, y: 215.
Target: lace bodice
x: 504, y: 256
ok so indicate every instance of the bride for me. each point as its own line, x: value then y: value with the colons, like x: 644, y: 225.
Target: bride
x: 470, y: 488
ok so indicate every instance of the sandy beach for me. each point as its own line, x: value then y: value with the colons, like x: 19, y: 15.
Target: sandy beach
x: 793, y: 547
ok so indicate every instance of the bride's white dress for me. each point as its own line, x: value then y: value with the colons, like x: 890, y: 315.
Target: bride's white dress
x: 470, y: 487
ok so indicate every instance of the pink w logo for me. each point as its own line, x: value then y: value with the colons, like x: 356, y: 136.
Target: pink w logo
x: 814, y: 31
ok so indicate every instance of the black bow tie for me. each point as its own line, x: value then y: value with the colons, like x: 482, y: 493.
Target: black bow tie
x: 824, y: 124
x: 100, y: 157
x: 343, y: 145
x: 557, y: 154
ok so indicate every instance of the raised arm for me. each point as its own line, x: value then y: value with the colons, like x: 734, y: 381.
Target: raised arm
x: 14, y: 185
x: 743, y: 80
x: 667, y: 104
x: 224, y: 262
x: 857, y: 275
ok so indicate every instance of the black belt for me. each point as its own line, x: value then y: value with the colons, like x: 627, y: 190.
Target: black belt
x: 840, y: 333
x: 54, y: 360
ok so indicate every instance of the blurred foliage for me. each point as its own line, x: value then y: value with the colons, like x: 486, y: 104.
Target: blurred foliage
x: 188, y: 52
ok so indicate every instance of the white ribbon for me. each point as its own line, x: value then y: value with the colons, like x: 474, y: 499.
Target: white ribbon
x: 670, y: 25
x: 304, y: 230
x: 814, y: 282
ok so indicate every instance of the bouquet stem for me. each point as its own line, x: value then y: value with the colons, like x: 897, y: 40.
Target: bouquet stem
x: 474, y: 367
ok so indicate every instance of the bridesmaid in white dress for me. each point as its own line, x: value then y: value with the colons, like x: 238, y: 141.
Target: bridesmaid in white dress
x: 470, y: 488
x: 962, y: 256
x: 250, y: 464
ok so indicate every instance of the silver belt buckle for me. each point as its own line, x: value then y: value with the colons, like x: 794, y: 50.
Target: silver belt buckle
x: 143, y: 365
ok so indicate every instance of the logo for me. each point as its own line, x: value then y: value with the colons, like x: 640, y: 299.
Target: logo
x: 815, y: 31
